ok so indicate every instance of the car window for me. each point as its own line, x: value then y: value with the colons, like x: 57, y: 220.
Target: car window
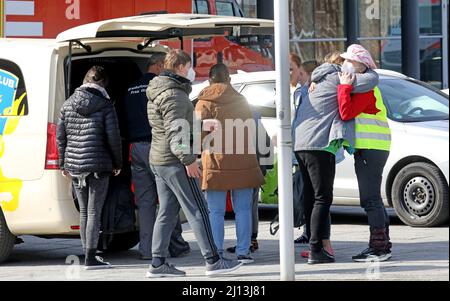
x: 225, y: 8
x: 200, y: 7
x: 408, y: 101
x: 13, y: 95
x: 262, y: 96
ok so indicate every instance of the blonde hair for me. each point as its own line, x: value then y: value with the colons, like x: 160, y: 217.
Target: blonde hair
x: 334, y: 58
x: 175, y: 58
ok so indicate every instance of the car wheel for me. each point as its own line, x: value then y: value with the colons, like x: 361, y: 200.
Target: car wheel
x: 7, y: 240
x: 420, y: 195
x: 120, y: 242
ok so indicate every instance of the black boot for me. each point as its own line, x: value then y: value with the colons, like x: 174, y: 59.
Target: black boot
x: 93, y: 262
x: 389, y: 246
x: 379, y: 247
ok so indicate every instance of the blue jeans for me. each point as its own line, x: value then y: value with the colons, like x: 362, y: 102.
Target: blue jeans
x: 242, y: 206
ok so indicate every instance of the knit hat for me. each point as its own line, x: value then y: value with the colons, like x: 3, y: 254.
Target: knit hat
x: 359, y: 54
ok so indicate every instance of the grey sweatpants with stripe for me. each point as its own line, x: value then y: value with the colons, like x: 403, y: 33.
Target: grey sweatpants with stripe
x: 146, y: 197
x: 176, y: 190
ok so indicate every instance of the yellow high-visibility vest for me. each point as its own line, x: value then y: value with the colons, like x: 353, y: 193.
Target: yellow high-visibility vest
x: 372, y: 131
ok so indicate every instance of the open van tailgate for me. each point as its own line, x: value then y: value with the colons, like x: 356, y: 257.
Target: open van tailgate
x: 168, y: 26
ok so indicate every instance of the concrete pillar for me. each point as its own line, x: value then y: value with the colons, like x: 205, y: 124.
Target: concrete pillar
x: 410, y: 38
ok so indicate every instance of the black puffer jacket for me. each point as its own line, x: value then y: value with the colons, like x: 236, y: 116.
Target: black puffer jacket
x: 88, y: 134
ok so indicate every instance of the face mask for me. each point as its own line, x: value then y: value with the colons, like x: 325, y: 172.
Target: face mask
x: 191, y: 75
x: 348, y: 68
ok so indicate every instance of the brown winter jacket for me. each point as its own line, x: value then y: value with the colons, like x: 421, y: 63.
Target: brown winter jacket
x: 227, y: 170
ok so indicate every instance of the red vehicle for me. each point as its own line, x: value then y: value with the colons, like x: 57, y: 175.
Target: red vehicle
x: 47, y: 18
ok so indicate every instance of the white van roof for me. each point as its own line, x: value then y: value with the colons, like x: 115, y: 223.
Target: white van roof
x: 167, y: 26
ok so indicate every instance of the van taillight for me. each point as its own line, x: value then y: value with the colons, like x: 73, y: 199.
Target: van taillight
x: 51, y: 156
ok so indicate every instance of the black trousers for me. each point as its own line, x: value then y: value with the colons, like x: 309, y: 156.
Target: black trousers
x: 369, y: 165
x: 91, y: 192
x: 318, y: 169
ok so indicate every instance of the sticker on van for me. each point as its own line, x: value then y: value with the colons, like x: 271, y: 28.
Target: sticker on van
x: 9, y: 106
x: 8, y: 88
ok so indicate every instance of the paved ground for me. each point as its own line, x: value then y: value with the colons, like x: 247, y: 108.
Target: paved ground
x: 419, y: 254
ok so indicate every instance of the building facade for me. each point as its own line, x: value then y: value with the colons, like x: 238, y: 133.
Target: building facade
x: 319, y: 27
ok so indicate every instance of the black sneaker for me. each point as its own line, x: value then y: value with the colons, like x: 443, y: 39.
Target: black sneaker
x: 371, y: 255
x: 254, y: 246
x: 166, y: 270
x: 302, y: 240
x: 320, y: 257
x: 231, y: 250
x: 97, y: 264
x: 222, y: 266
x: 182, y: 254
x: 245, y: 259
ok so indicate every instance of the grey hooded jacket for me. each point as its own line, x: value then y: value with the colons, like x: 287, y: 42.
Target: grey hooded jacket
x: 319, y: 121
x: 170, y: 113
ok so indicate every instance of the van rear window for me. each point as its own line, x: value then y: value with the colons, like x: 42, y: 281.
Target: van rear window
x: 13, y: 94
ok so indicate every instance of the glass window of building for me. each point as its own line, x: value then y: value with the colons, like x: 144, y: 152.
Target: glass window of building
x: 225, y: 8
x: 200, y: 7
x: 318, y: 28
x: 380, y: 32
x: 380, y: 18
x: 317, y: 19
x: 308, y: 51
x: 430, y: 17
x: 248, y: 8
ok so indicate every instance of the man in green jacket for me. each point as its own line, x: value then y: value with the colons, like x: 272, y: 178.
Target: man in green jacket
x: 176, y: 169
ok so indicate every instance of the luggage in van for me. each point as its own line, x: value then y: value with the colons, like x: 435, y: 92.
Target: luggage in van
x: 118, y: 216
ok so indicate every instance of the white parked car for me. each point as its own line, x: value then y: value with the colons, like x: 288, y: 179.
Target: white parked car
x: 416, y: 177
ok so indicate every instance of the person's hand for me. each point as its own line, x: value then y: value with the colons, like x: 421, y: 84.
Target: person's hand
x: 347, y: 78
x: 193, y: 170
x: 211, y: 125
x: 65, y: 173
x: 116, y: 172
x: 312, y: 87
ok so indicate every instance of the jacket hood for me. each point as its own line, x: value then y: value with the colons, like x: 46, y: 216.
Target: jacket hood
x: 167, y: 81
x: 219, y: 93
x: 323, y: 70
x: 86, y: 103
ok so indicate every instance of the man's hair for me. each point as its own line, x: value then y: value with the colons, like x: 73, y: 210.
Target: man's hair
x: 96, y: 75
x: 176, y: 58
x: 156, y: 58
x: 219, y: 74
x: 334, y: 58
x: 310, y: 66
x: 296, y: 59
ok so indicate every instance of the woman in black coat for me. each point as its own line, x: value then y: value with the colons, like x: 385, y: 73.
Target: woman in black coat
x: 89, y: 147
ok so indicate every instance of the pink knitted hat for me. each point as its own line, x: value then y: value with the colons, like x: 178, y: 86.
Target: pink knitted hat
x: 359, y: 54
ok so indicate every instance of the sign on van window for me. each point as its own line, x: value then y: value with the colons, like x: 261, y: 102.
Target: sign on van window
x: 13, y: 95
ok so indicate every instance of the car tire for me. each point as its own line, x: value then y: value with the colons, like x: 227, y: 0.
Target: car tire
x: 420, y: 195
x: 7, y: 240
x: 120, y: 242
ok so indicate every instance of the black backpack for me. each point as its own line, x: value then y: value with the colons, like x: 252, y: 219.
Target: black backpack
x: 118, y: 214
x: 299, y: 209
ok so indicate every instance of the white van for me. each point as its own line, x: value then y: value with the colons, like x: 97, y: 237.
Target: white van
x: 36, y: 76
